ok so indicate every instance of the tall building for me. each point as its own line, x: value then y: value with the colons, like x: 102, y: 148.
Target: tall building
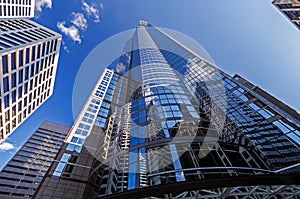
x: 27, y: 168
x: 291, y: 9
x: 163, y: 122
x: 28, y: 61
x: 17, y: 8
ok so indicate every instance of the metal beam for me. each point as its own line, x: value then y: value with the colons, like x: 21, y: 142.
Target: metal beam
x: 160, y: 190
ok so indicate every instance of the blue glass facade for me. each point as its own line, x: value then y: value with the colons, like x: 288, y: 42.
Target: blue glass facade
x: 162, y: 118
x: 186, y: 120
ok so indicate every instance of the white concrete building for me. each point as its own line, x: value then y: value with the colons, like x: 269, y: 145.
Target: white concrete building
x: 28, y: 61
x: 17, y: 8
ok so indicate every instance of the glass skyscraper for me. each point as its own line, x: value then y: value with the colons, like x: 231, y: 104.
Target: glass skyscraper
x: 163, y: 122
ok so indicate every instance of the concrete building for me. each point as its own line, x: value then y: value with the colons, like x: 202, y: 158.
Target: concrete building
x: 22, y: 175
x: 291, y: 9
x: 170, y: 124
x: 17, y: 8
x: 28, y: 61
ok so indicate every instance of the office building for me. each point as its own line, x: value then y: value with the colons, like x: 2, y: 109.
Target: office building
x: 163, y: 122
x: 17, y: 8
x: 291, y: 9
x: 28, y: 61
x: 27, y: 168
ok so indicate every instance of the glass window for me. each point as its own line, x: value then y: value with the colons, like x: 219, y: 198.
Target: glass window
x: 13, y: 61
x: 74, y: 139
x: 13, y: 80
x: 265, y: 113
x: 31, y: 70
x: 281, y: 126
x: 33, y: 53
x: 20, y: 58
x: 244, y: 98
x: 6, y: 101
x: 26, y: 73
x: 25, y: 101
x: 20, y: 92
x: 27, y: 55
x: 5, y: 84
x: 4, y: 64
x: 295, y: 136
x: 254, y: 106
x: 65, y: 157
x: 13, y: 96
x: 43, y: 49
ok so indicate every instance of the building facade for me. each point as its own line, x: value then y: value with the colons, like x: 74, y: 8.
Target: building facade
x: 27, y: 168
x: 163, y: 122
x: 291, y: 9
x: 28, y: 61
x: 17, y: 8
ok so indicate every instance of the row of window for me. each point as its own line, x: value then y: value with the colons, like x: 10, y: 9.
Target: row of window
x: 10, y: 115
x: 11, y: 35
x: 10, y: 83
x: 15, y: 94
x: 87, y: 119
x: 252, y: 119
x: 16, y: 60
x: 100, y: 92
x: 15, y: 10
x: 21, y: 2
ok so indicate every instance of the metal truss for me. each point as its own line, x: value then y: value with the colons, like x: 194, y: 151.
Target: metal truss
x: 245, y: 192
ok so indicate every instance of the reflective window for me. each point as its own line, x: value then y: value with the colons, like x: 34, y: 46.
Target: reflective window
x: 5, y: 84
x: 13, y: 61
x: 21, y: 58
x: 4, y: 64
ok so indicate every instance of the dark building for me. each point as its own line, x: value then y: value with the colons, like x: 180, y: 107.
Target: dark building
x: 22, y: 175
x: 163, y: 122
x: 291, y: 9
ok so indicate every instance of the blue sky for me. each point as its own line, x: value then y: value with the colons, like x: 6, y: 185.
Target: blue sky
x: 250, y: 38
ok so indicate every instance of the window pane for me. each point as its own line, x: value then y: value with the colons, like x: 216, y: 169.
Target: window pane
x: 4, y: 64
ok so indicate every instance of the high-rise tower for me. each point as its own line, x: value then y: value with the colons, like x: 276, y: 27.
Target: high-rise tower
x: 291, y: 9
x: 28, y: 61
x: 164, y: 122
x: 17, y: 8
x: 22, y: 175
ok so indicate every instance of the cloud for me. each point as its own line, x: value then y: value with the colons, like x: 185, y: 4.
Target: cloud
x: 101, y: 6
x: 91, y: 10
x: 71, y: 31
x: 39, y: 4
x: 5, y: 146
x: 79, y: 20
x: 65, y: 46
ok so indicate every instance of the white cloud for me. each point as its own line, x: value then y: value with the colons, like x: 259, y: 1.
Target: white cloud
x: 66, y: 49
x: 71, y: 31
x: 65, y: 46
x: 91, y: 10
x: 101, y: 6
x: 79, y: 20
x: 5, y: 146
x: 39, y: 4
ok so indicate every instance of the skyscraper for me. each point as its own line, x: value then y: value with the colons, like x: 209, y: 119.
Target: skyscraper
x: 291, y: 9
x: 25, y: 171
x: 17, y: 8
x: 28, y: 61
x: 163, y: 122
